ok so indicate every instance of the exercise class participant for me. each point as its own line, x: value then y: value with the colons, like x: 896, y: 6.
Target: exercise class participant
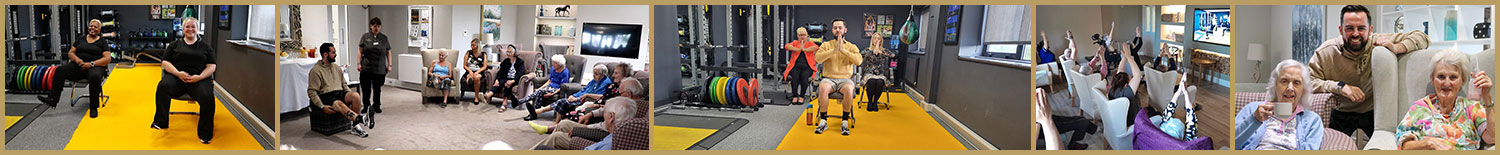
x: 86, y: 60
x: 374, y: 62
x: 797, y: 73
x: 839, y: 57
x: 556, y: 76
x: 511, y: 69
x: 191, y: 63
x: 329, y: 93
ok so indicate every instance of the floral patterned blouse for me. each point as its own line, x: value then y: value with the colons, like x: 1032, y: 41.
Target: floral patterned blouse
x: 1459, y: 128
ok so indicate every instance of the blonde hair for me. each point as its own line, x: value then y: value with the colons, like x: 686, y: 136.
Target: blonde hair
x: 96, y: 21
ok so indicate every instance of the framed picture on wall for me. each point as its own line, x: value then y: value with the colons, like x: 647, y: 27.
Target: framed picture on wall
x: 951, y: 15
x: 878, y: 24
x: 224, y: 16
x: 1172, y: 33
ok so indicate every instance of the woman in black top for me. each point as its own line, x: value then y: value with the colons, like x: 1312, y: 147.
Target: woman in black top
x: 374, y: 62
x: 477, y: 64
x: 86, y: 60
x: 511, y: 69
x: 188, y: 67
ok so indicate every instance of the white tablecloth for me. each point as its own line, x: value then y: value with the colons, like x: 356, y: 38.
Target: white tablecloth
x: 294, y: 83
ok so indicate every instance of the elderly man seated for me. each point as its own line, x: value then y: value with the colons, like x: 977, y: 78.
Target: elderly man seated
x: 616, y: 111
x: 596, y: 87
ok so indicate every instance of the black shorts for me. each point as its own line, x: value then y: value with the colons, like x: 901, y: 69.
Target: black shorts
x: 329, y: 97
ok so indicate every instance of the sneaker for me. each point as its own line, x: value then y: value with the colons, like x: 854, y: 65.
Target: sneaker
x: 158, y: 127
x: 94, y: 113
x: 377, y: 110
x: 822, y: 125
x: 369, y: 120
x: 846, y: 127
x: 205, y: 141
x: 359, y: 131
x: 540, y: 129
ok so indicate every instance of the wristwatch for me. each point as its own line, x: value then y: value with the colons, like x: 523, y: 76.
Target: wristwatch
x: 1341, y: 85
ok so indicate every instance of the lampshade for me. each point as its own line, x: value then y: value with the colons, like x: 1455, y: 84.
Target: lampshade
x: 1257, y: 52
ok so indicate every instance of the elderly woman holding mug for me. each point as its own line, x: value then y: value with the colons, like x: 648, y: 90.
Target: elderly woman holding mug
x: 1282, y: 122
x: 1445, y: 121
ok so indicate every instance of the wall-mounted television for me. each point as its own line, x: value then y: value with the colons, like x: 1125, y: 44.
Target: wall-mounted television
x: 1211, y: 26
x: 613, y: 40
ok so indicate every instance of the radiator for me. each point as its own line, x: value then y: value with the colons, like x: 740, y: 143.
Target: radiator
x: 410, y: 68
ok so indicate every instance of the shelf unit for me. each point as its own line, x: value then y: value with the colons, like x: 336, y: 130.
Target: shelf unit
x: 563, y: 27
x: 1413, y: 17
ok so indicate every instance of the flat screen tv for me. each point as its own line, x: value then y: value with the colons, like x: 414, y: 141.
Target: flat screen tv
x: 1211, y: 26
x: 613, y: 40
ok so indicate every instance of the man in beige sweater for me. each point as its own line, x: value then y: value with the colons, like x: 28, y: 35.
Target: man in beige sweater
x: 838, y: 57
x: 1342, y: 66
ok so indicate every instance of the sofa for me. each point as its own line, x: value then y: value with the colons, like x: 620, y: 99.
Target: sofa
x: 1405, y: 89
x: 428, y: 55
x: 1246, y: 93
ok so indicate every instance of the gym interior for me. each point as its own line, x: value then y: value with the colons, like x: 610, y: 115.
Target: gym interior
x: 1168, y: 59
x: 417, y: 112
x: 948, y: 77
x: 134, y: 45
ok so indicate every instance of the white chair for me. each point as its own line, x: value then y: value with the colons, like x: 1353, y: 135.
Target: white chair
x: 1115, y: 116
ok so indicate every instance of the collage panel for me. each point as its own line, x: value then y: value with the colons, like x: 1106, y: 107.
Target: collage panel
x: 464, y: 77
x: 1365, y: 77
x: 140, y: 77
x: 1133, y: 77
x: 796, y: 77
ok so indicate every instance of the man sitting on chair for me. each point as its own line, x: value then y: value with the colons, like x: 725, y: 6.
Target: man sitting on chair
x: 838, y: 57
x: 329, y: 93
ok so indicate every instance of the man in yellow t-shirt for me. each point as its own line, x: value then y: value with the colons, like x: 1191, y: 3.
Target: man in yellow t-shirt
x: 838, y: 57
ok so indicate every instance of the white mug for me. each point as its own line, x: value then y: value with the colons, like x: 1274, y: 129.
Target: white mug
x: 1282, y: 109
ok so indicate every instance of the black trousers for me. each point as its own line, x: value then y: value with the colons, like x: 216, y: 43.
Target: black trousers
x: 1347, y: 122
x: 72, y: 72
x: 369, y: 88
x: 873, y: 89
x: 506, y: 93
x: 202, y: 91
x: 799, y: 79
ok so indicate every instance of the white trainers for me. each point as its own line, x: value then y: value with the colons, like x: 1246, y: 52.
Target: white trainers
x: 822, y: 125
x: 846, y: 127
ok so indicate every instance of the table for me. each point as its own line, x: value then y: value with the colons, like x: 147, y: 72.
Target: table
x: 1202, y: 67
x: 294, y: 83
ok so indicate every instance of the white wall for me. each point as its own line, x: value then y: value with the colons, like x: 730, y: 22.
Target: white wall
x: 619, y: 14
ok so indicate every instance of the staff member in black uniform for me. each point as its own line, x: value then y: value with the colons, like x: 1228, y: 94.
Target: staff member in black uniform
x: 189, y: 65
x: 374, y: 62
x: 86, y: 59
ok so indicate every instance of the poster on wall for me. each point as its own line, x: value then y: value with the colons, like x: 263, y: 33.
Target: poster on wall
x: 951, y: 15
x: 491, y: 22
x: 224, y: 16
x: 879, y: 24
x: 420, y: 27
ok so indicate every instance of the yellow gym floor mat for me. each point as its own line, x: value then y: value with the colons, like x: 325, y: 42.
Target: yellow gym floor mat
x: 677, y: 138
x: 125, y: 121
x: 904, y: 127
x: 11, y: 120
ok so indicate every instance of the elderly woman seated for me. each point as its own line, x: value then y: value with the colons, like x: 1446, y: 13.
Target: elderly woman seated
x: 1444, y: 121
x: 1292, y: 128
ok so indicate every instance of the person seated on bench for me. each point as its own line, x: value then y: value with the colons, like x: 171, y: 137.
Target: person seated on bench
x: 590, y: 110
x: 87, y: 59
x: 191, y: 63
x: 838, y: 57
x: 326, y: 87
x: 556, y: 76
x: 595, y: 87
x: 617, y: 110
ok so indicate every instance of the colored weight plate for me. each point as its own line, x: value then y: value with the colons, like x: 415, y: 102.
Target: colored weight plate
x: 27, y: 82
x: 751, y: 92
x: 51, y: 72
x: 722, y: 83
x: 36, y: 81
x: 734, y: 91
x: 729, y: 93
x: 743, y: 92
x: 714, y: 91
x: 21, y: 77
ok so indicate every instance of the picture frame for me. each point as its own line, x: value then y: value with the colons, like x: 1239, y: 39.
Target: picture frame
x: 951, y: 23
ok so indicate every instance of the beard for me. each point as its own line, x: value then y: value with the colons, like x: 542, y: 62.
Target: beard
x: 1350, y: 44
